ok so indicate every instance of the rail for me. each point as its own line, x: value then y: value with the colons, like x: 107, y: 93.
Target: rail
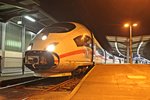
x: 18, y: 82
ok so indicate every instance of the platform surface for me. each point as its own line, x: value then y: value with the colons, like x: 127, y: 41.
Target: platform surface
x: 14, y: 73
x: 114, y: 82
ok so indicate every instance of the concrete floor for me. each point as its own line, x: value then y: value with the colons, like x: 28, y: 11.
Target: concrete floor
x: 115, y: 82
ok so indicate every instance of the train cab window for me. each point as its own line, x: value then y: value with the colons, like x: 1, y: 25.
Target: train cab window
x: 83, y: 40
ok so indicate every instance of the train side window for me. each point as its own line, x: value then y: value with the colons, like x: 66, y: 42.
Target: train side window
x: 100, y: 51
x: 87, y: 41
x: 83, y: 40
x: 79, y: 41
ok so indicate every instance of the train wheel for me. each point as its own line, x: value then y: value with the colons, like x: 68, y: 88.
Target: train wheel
x: 82, y: 70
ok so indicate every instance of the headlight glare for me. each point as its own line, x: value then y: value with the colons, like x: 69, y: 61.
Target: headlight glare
x: 44, y: 37
x: 50, y: 47
x: 29, y: 47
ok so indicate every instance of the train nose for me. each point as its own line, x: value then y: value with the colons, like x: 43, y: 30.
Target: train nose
x: 33, y: 60
x: 39, y: 60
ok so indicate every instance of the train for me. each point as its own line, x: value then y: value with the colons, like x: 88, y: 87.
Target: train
x: 63, y: 49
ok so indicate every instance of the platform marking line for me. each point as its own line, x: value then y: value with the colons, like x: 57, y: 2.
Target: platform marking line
x: 75, y: 90
x: 136, y: 77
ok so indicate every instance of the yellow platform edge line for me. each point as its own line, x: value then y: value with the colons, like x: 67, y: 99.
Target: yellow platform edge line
x: 78, y: 86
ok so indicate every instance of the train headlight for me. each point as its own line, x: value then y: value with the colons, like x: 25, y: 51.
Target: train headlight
x: 29, y: 47
x: 44, y: 37
x: 50, y: 47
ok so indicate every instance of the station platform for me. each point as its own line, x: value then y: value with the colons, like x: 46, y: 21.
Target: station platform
x: 114, y: 82
x: 108, y: 82
x: 14, y: 73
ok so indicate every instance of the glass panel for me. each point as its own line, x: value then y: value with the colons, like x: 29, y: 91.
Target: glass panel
x: 58, y: 28
x: 0, y: 35
x: 13, y: 37
x: 83, y: 40
x: 28, y: 37
x: 78, y: 41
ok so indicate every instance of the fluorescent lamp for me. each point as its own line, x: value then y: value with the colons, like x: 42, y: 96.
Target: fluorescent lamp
x: 19, y: 22
x: 30, y: 18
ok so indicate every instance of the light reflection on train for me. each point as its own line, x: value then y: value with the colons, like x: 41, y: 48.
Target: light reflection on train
x: 62, y: 49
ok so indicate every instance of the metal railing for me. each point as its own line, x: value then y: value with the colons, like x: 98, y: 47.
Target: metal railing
x: 23, y: 68
x: 0, y: 65
x: 10, y: 64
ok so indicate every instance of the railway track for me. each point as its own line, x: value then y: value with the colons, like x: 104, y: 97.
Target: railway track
x: 67, y: 85
x: 54, y: 87
x: 28, y: 90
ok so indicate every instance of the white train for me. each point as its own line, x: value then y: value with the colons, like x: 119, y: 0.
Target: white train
x: 63, y: 48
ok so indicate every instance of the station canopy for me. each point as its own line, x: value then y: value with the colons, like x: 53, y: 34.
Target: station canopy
x: 121, y: 45
x: 16, y: 10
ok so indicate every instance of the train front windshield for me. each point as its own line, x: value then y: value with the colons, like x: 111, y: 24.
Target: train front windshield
x: 58, y: 28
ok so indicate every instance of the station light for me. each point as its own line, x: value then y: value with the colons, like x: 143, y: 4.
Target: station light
x: 135, y: 24
x: 130, y: 38
x: 19, y: 22
x: 30, y: 18
x: 126, y: 25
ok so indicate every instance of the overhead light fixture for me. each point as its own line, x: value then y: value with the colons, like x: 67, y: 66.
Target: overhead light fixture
x: 126, y: 25
x: 30, y: 18
x: 19, y: 22
x: 135, y: 24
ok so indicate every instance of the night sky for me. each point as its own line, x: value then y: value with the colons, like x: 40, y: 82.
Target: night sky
x: 102, y: 17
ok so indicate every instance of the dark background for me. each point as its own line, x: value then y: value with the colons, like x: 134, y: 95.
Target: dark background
x: 102, y: 17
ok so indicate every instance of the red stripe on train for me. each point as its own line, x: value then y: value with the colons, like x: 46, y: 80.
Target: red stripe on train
x: 73, y: 53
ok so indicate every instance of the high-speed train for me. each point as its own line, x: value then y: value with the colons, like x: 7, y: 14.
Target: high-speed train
x: 63, y: 48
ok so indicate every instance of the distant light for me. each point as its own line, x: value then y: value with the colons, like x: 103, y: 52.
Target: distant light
x: 19, y: 22
x: 126, y: 25
x: 135, y: 24
x: 30, y: 18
